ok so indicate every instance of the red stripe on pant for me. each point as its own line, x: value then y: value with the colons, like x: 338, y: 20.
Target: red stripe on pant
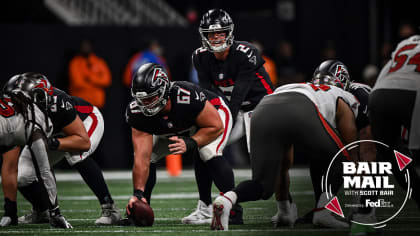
x: 225, y: 110
x: 92, y: 127
x: 218, y: 102
x: 332, y: 134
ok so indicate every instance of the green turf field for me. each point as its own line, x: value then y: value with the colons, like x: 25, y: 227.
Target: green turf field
x: 174, y: 198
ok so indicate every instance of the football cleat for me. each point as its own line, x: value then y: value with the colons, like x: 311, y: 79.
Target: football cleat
x: 324, y: 218
x: 58, y: 221
x: 236, y: 215
x: 7, y: 221
x: 307, y: 218
x: 202, y: 215
x: 221, y: 209
x: 34, y: 217
x: 285, y: 217
x: 110, y: 215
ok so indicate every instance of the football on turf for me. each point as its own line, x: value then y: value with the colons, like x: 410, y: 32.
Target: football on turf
x: 142, y: 214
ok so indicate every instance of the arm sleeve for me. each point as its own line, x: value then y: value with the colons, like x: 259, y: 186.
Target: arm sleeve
x: 203, y: 79
x: 40, y: 156
x: 239, y: 93
x: 248, y: 65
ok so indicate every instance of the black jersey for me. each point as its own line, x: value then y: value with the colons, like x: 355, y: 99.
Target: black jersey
x: 361, y: 92
x: 64, y: 109
x: 241, y: 77
x: 83, y: 107
x: 187, y: 101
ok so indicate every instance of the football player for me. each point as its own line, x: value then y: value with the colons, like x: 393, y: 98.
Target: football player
x: 316, y: 109
x: 22, y: 123
x: 78, y: 129
x: 395, y: 102
x: 235, y: 70
x: 335, y: 73
x: 176, y: 118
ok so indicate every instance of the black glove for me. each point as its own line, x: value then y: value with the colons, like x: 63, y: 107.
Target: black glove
x: 53, y: 143
x: 190, y: 143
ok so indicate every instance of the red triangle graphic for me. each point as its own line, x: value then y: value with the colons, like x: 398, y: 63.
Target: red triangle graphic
x: 402, y: 160
x: 334, y: 206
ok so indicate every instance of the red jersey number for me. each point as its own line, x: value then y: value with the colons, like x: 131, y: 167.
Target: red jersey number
x: 323, y: 87
x: 5, y: 109
x: 401, y: 59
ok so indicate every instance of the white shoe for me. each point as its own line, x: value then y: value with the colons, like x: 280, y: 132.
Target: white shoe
x: 110, y: 215
x: 7, y: 221
x: 35, y: 217
x: 221, y: 210
x: 286, y: 217
x: 202, y: 215
x: 325, y: 218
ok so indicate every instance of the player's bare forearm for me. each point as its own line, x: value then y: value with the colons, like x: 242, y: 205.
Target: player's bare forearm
x: 77, y: 139
x: 143, y: 145
x: 346, y: 125
x: 210, y: 125
x: 140, y: 171
x: 206, y: 135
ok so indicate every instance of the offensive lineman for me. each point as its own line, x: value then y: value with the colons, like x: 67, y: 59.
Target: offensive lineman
x: 234, y: 69
x: 78, y: 129
x: 178, y: 118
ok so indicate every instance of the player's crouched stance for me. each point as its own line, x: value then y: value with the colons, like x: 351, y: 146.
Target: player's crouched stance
x: 175, y: 118
x: 22, y: 123
x: 78, y: 127
x: 308, y: 109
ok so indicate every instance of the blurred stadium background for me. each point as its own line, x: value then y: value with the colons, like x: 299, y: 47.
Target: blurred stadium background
x: 43, y: 35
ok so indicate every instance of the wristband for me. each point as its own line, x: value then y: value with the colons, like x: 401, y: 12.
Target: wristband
x: 190, y: 143
x: 138, y: 193
x: 53, y: 143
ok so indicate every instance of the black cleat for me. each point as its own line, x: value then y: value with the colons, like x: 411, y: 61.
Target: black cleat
x: 236, y: 215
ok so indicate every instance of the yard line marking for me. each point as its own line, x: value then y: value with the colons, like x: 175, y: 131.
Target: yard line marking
x: 163, y: 175
x: 158, y: 196
x: 54, y: 231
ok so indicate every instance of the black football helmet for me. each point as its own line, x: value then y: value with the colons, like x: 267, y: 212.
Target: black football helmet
x: 34, y: 85
x: 150, y: 88
x: 332, y: 72
x: 216, y: 20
